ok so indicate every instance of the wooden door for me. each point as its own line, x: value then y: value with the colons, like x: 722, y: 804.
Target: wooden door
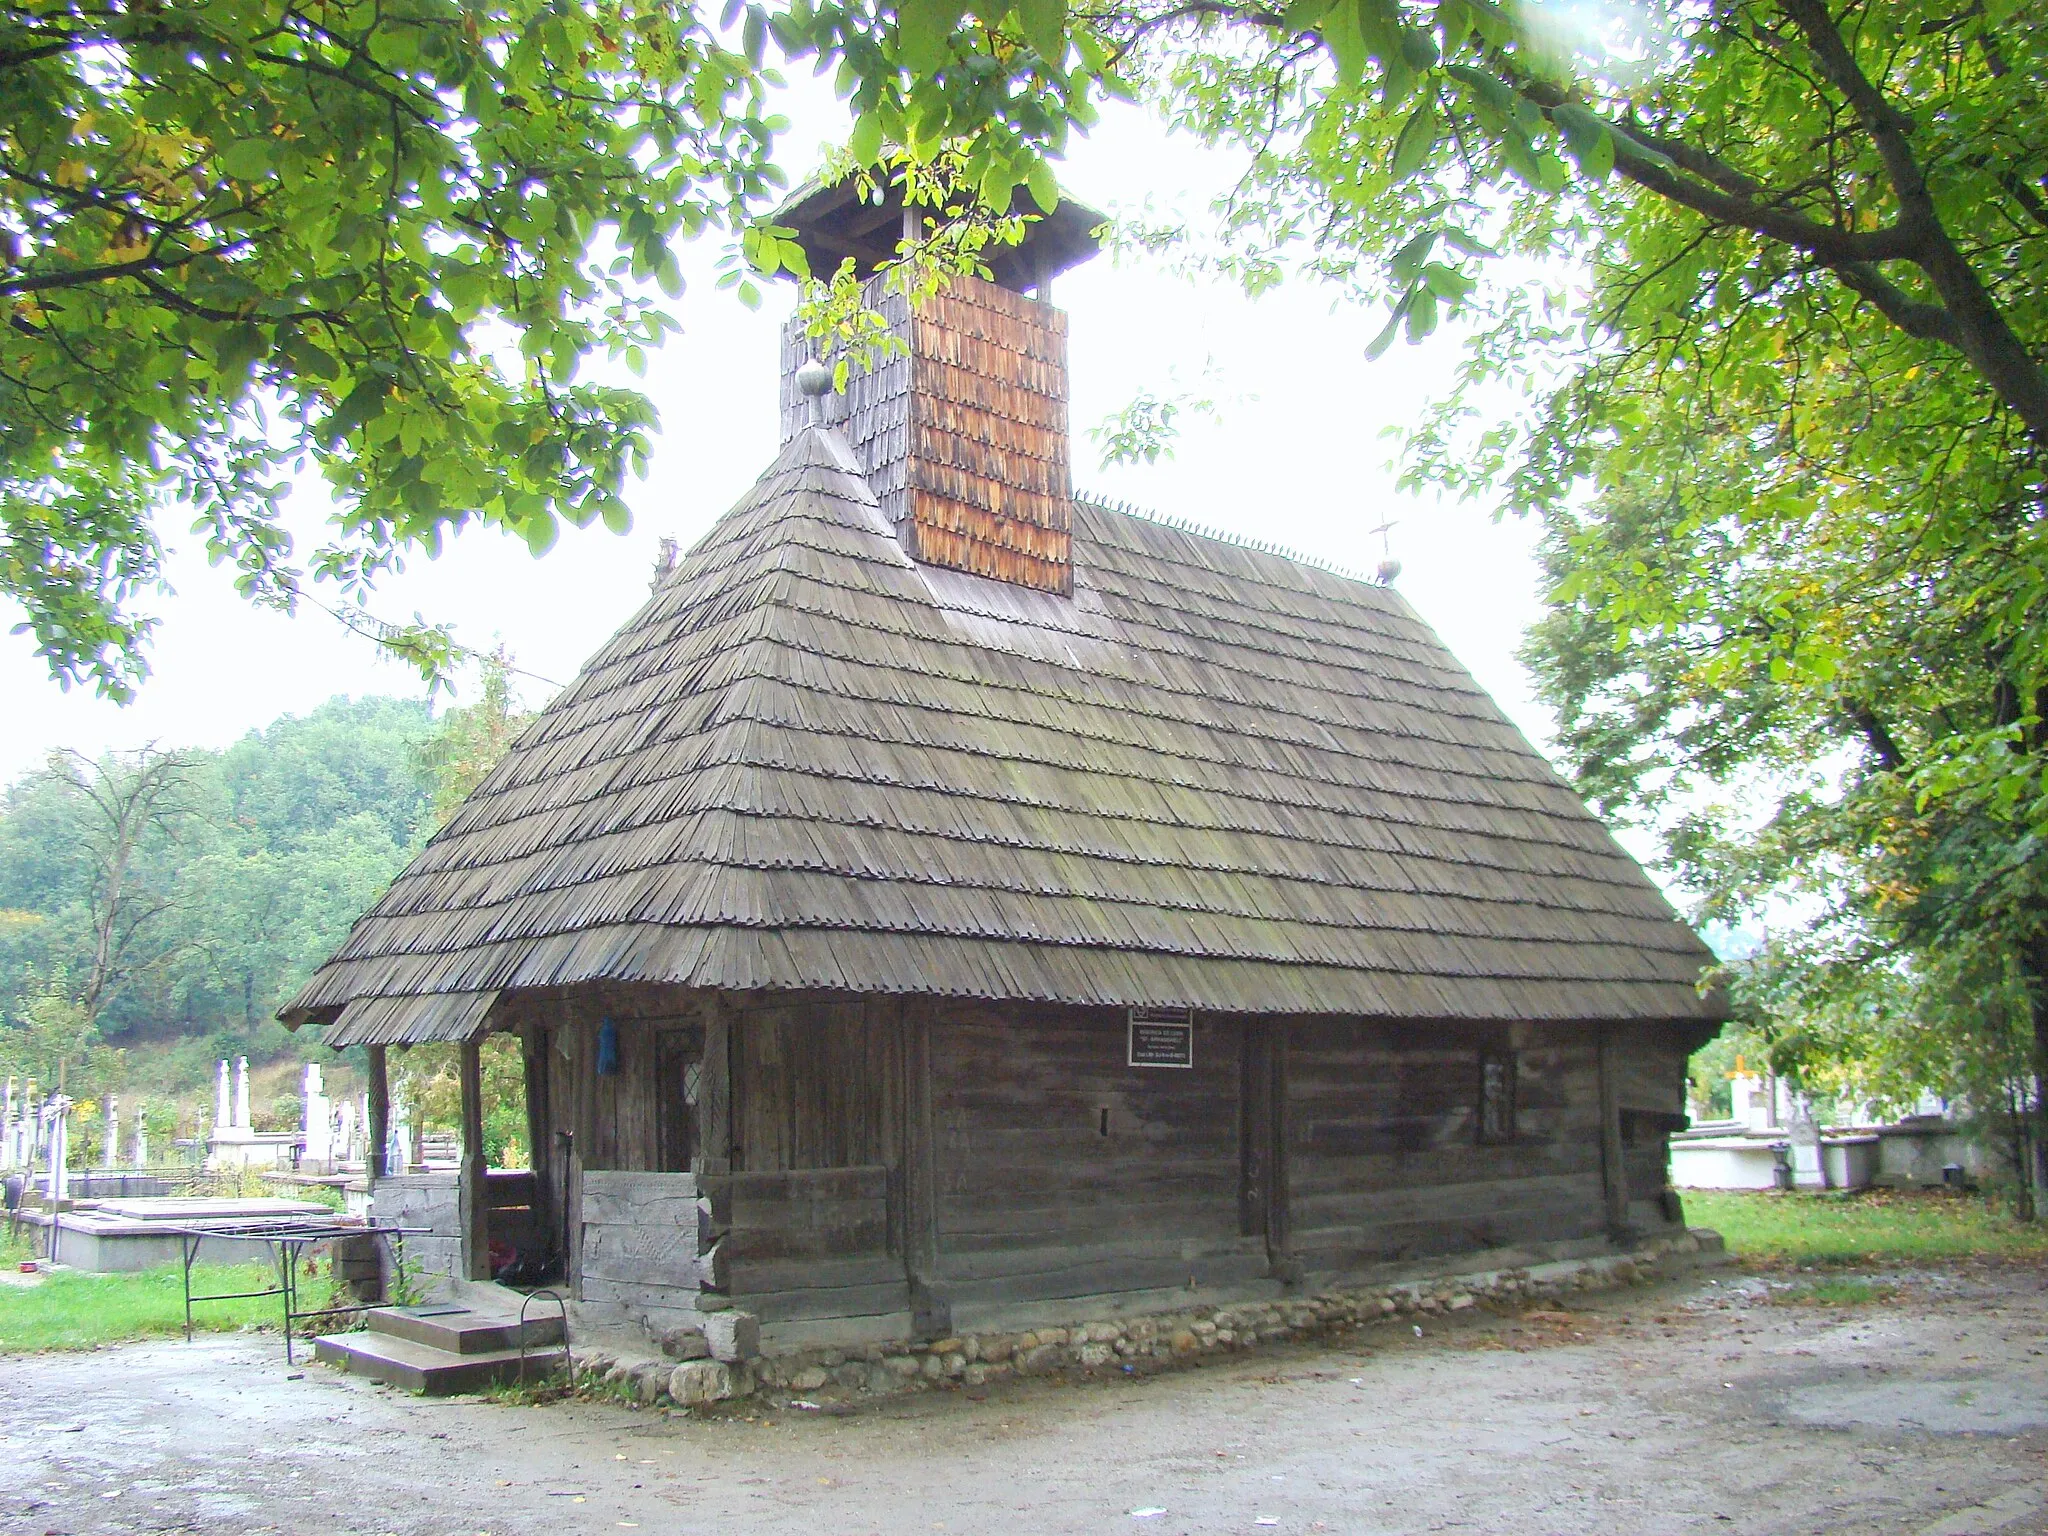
x: 678, y: 1059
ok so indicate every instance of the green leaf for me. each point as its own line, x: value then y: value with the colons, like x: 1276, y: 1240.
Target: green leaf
x: 1421, y: 315
x: 241, y: 346
x: 925, y: 28
x: 1346, y: 43
x: 865, y: 145
x: 247, y: 159
x: 1044, y: 24
x: 540, y: 534
x: 362, y: 404
x: 1447, y: 283
x: 996, y: 185
x: 1418, y: 137
x: 1375, y: 348
x: 1490, y: 89
x: 1303, y: 16
x: 1045, y: 187
x: 1590, y: 140
x: 1407, y: 261
x: 1419, y: 50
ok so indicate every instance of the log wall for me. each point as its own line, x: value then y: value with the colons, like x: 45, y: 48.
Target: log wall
x: 1384, y: 1159
x: 1061, y: 1171
x: 816, y: 1085
x: 639, y: 1244
x: 863, y: 1157
x: 807, y: 1243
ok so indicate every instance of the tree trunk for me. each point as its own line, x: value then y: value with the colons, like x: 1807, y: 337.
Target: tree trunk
x: 2034, y: 1182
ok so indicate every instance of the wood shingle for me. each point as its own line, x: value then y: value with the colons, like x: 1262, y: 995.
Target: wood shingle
x: 1209, y: 777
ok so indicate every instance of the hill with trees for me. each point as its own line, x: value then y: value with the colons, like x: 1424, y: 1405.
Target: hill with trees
x: 156, y: 907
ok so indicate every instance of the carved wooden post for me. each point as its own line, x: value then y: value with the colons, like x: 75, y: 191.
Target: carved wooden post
x: 1613, y: 1166
x: 533, y: 1063
x: 473, y: 1198
x: 379, y: 1132
x: 1279, y: 1209
x: 712, y: 1154
x: 930, y: 1314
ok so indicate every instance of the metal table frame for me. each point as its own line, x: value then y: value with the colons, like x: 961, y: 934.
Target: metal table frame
x: 287, y: 1240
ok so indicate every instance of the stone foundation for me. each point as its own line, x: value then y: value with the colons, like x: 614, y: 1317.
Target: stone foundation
x: 1148, y: 1342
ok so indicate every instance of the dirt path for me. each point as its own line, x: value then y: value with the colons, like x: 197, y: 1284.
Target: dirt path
x: 1707, y: 1404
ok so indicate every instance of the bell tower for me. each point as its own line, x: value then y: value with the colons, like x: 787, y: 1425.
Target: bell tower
x: 963, y: 434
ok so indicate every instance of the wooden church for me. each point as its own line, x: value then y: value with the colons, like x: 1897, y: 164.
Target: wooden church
x: 948, y: 904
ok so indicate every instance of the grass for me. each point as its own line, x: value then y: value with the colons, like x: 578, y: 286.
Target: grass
x: 1837, y: 1291
x: 69, y: 1309
x: 1869, y: 1226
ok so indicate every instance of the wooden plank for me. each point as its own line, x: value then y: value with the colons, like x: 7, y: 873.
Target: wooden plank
x: 787, y: 1186
x: 651, y: 1254
x: 967, y: 1222
x: 1108, y: 1279
x: 574, y: 1045
x: 1187, y: 1254
x: 830, y: 1301
x: 629, y: 1195
x: 744, y: 1276
x: 1455, y: 1202
x: 636, y: 1294
x: 1338, y: 1178
x: 1082, y: 1187
x: 1339, y: 1248
x: 839, y: 1241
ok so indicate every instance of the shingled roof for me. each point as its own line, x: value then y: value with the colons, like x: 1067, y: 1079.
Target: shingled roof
x: 1212, y: 777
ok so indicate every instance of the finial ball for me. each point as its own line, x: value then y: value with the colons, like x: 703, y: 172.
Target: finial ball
x: 813, y: 380
x: 1389, y: 569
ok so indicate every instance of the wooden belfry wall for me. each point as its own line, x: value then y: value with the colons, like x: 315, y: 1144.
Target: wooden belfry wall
x: 964, y: 438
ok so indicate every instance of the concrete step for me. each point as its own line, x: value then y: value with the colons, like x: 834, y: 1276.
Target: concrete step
x: 462, y: 1330
x: 422, y: 1368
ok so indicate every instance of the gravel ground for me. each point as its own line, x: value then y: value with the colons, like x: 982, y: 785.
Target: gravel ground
x: 1718, y: 1402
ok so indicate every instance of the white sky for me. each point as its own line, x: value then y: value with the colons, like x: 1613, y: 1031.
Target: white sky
x: 1297, y: 458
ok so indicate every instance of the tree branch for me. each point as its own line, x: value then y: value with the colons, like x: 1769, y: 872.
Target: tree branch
x: 1982, y: 333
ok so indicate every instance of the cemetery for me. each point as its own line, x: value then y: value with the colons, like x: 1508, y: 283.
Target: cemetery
x: 1779, y: 1139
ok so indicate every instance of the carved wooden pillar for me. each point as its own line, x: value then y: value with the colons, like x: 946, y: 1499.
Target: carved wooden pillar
x: 931, y: 1315
x: 473, y: 1199
x: 533, y: 1061
x: 712, y: 1124
x: 1279, y: 1197
x: 379, y: 1131
x: 1613, y: 1163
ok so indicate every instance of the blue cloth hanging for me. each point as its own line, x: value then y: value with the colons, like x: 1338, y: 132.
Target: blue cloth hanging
x: 607, y: 1049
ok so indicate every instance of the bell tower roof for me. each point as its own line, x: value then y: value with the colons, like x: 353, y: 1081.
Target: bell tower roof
x: 834, y: 222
